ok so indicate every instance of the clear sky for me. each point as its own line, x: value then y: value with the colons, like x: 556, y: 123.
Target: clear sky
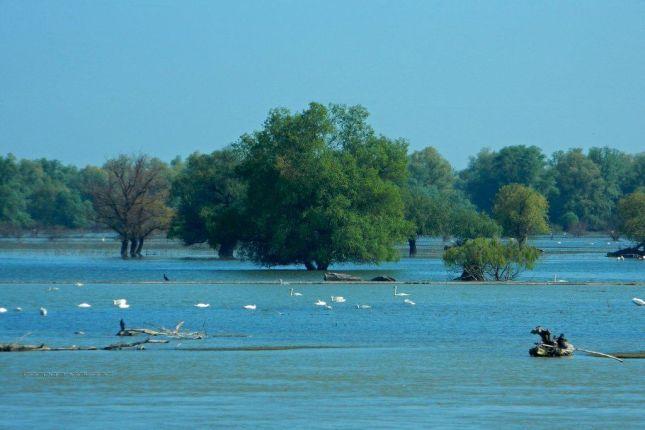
x: 82, y: 81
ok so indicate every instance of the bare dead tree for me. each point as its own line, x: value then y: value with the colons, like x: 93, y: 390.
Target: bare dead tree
x: 131, y: 198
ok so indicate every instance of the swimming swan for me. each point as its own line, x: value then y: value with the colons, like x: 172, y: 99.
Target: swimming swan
x: 294, y: 293
x: 338, y: 299
x: 202, y: 305
x: 639, y: 302
x: 43, y: 311
x: 250, y: 307
x: 84, y: 305
x: 320, y: 303
x: 397, y: 294
x: 409, y: 302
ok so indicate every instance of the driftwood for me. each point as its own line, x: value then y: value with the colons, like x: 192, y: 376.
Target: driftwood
x: 175, y: 333
x: 341, y: 277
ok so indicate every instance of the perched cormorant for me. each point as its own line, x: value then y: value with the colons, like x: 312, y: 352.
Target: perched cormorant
x: 165, y: 278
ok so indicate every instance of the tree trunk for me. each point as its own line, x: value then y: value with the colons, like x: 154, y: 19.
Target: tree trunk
x: 413, y: 247
x: 133, y: 247
x: 225, y: 250
x: 309, y: 265
x: 139, y: 247
x: 321, y: 265
x: 124, y: 248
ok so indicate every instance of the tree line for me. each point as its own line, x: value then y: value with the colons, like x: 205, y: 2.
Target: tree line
x: 321, y: 186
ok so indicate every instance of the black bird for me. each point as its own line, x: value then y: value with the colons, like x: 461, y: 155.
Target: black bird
x: 165, y: 278
x: 122, y: 324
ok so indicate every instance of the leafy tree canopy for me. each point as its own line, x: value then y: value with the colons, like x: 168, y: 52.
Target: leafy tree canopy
x: 521, y: 211
x: 485, y: 259
x: 490, y: 170
x: 207, y: 194
x: 631, y: 210
x: 322, y: 187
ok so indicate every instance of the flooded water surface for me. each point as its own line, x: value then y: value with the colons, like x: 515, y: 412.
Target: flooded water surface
x: 458, y: 357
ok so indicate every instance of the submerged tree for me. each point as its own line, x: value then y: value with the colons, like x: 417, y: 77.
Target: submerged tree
x: 632, y: 221
x: 485, y: 259
x: 208, y: 196
x: 129, y: 197
x: 322, y: 187
x: 429, y: 196
x: 521, y: 211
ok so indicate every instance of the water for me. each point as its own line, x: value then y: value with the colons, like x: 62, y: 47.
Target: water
x: 456, y: 359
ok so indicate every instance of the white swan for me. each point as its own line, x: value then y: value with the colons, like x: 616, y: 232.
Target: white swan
x: 250, y: 307
x: 52, y: 289
x: 283, y: 282
x: 639, y: 302
x: 397, y: 294
x: 327, y: 307
x: 79, y: 284
x: 409, y: 302
x: 84, y: 305
x: 320, y: 303
x: 18, y: 309
x: 43, y: 311
x: 338, y: 299
x: 123, y: 305
x: 294, y: 293
x: 117, y: 302
x: 363, y: 307
x: 3, y: 310
x: 202, y: 305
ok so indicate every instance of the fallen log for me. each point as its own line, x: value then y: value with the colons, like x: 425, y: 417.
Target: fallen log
x: 340, y: 277
x: 175, y: 333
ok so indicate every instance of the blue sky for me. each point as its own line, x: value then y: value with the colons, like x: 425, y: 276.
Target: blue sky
x: 82, y: 81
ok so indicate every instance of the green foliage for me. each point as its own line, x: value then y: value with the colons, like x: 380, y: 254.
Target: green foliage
x: 467, y: 224
x: 485, y: 259
x: 569, y: 221
x: 40, y: 194
x: 207, y: 195
x: 581, y: 189
x: 631, y: 210
x: 521, y: 211
x: 322, y: 187
x: 489, y: 171
x: 428, y: 169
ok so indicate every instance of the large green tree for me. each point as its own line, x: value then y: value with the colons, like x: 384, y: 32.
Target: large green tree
x: 207, y: 195
x: 489, y: 171
x: 521, y: 211
x: 322, y: 187
x: 580, y: 189
x: 429, y: 196
x: 631, y: 211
